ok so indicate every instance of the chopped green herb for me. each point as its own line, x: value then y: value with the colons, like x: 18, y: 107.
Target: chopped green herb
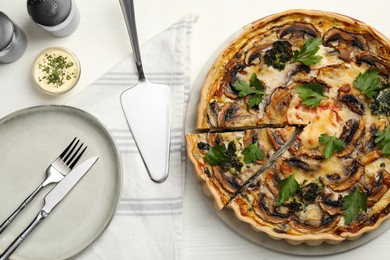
x: 332, y: 144
x: 288, y: 187
x: 253, y: 153
x: 311, y: 94
x: 381, y: 103
x: 218, y: 155
x: 55, y: 68
x: 369, y: 83
x: 307, y: 55
x: 309, y: 192
x: 278, y: 56
x: 383, y: 139
x: 353, y: 204
x: 254, y: 88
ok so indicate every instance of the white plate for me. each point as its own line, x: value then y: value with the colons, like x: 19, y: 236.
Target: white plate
x: 227, y: 215
x: 30, y: 139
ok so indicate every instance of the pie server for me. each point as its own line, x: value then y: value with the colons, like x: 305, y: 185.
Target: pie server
x: 147, y: 110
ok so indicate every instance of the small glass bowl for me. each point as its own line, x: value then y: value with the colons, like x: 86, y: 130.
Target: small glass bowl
x: 43, y: 70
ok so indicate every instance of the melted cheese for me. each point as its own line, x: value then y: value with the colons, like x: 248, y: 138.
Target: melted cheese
x: 329, y: 57
x: 324, y: 119
x: 326, y: 167
x: 312, y: 214
x: 274, y: 78
x: 372, y: 168
x: 271, y: 77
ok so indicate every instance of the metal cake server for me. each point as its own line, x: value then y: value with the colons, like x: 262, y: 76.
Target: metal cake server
x: 51, y: 201
x: 147, y: 110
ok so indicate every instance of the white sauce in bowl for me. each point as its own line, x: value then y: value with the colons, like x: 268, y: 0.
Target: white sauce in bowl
x: 56, y: 70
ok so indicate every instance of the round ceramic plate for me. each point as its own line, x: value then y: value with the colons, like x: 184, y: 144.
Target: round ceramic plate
x: 227, y: 215
x: 30, y: 139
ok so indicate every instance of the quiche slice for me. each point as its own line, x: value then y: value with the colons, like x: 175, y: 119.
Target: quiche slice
x: 224, y: 162
x: 308, y: 200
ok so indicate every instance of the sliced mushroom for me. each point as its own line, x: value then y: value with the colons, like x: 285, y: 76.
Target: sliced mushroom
x: 303, y: 163
x: 227, y: 113
x: 250, y: 137
x: 213, y: 139
x: 231, y: 113
x: 374, y: 61
x: 352, y: 131
x: 212, y: 114
x: 368, y: 140
x: 271, y: 181
x: 276, y: 110
x: 253, y: 55
x: 344, y: 42
x: 297, y: 32
x: 370, y: 156
x: 263, y: 206
x: 313, y: 219
x: 226, y: 179
x: 376, y: 185
x: 332, y: 207
x: 353, y: 103
x: 352, y: 173
x: 232, y: 68
x: 375, y: 197
x: 276, y: 138
x: 294, y: 161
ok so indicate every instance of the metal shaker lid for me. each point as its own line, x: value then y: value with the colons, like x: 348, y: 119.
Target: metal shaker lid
x: 49, y: 12
x: 6, y: 31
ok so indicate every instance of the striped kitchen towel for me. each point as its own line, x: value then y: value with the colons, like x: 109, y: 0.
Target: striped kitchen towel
x: 148, y: 220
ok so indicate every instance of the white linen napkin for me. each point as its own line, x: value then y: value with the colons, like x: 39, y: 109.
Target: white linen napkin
x: 148, y: 221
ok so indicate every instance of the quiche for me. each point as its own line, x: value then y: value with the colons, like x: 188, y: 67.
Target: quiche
x: 309, y: 91
x: 225, y: 161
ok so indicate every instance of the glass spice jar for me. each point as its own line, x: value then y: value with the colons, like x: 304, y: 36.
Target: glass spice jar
x: 13, y: 41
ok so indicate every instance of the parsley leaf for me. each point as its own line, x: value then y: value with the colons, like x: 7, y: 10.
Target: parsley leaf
x: 353, y: 204
x: 383, y: 138
x: 252, y: 153
x: 289, y: 186
x: 311, y: 94
x: 307, y: 55
x: 369, y: 83
x: 218, y: 155
x: 254, y: 88
x: 332, y: 144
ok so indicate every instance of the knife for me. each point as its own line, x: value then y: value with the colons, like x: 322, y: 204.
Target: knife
x: 51, y: 201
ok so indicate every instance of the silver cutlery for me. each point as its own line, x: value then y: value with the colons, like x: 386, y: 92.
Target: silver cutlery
x: 147, y: 110
x: 56, y: 171
x: 51, y: 201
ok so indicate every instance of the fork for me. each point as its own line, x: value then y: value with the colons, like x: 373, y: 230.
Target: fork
x: 56, y: 171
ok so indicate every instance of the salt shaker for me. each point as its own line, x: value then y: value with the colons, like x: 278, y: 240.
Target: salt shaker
x: 58, y: 17
x: 13, y: 41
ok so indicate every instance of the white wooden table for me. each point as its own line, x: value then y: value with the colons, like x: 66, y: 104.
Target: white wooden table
x: 102, y: 29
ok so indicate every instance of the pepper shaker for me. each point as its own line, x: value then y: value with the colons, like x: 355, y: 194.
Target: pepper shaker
x: 58, y: 17
x: 13, y: 41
